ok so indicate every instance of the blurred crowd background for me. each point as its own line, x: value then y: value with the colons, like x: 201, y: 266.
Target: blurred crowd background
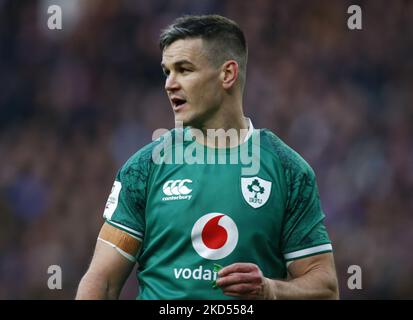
x: 76, y: 103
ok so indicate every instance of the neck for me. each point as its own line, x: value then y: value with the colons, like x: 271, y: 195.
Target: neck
x: 226, y: 130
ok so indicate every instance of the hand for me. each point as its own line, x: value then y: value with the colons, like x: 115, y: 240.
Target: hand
x: 244, y: 280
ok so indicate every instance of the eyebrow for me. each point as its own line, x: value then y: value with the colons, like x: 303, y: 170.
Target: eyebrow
x: 178, y: 63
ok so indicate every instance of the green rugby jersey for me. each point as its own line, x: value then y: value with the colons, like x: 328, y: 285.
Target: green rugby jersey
x: 191, y: 216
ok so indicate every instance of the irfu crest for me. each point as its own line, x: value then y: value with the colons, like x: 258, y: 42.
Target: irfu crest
x: 255, y: 191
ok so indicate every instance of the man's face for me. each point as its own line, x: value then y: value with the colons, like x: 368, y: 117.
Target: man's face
x: 193, y: 84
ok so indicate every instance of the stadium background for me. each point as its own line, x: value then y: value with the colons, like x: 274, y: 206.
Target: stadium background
x: 76, y: 103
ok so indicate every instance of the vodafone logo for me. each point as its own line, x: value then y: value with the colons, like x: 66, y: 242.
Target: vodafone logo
x: 214, y: 236
x: 177, y: 190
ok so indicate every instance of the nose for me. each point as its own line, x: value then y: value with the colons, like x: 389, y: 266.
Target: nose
x: 171, y: 83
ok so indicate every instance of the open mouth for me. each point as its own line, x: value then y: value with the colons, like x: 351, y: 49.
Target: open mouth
x: 177, y: 102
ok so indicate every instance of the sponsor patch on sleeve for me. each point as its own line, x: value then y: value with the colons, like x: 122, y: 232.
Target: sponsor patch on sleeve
x: 112, y: 202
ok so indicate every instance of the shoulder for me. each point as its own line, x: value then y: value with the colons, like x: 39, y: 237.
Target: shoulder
x: 141, y: 162
x: 288, y: 158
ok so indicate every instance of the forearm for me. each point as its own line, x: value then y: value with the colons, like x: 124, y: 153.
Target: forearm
x: 95, y: 287
x: 315, y: 284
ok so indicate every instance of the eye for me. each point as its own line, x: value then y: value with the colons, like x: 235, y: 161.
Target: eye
x: 165, y: 72
x: 185, y: 70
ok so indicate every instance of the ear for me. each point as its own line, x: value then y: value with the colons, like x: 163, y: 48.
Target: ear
x: 229, y: 74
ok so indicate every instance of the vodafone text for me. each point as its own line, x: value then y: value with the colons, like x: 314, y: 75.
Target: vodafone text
x: 200, y: 273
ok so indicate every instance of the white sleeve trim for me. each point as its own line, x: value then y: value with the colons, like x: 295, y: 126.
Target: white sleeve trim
x: 308, y: 251
x: 123, y: 253
x: 135, y: 234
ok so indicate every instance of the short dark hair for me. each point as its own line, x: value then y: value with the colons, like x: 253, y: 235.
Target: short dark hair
x: 224, y: 37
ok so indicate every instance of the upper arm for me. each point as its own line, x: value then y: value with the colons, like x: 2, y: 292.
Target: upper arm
x: 114, y: 256
x: 323, y: 262
x: 320, y: 267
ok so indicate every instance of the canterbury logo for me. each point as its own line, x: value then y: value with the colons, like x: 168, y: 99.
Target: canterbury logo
x: 177, y: 190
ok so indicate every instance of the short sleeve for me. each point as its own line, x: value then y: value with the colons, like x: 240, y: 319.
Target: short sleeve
x: 125, y: 207
x: 304, y: 233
